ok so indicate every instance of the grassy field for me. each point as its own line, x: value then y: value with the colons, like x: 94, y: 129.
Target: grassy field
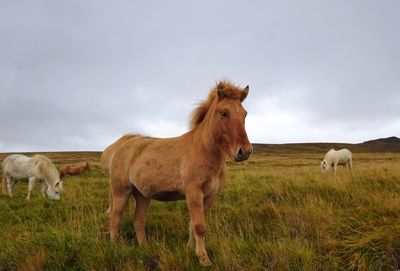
x: 278, y: 212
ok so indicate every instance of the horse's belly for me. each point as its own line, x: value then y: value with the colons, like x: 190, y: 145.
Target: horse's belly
x: 156, y: 179
x: 19, y: 175
x: 168, y: 196
x: 343, y: 162
x: 162, y: 190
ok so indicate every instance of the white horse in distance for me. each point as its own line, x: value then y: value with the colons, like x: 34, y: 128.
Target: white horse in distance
x: 334, y: 158
x: 18, y: 166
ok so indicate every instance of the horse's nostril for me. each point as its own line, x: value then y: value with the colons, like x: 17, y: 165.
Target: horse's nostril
x: 240, y: 152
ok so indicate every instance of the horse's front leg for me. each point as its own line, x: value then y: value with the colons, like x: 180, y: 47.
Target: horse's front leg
x: 191, y: 241
x: 194, y: 199
x: 30, y: 187
x: 44, y: 189
x: 207, y: 202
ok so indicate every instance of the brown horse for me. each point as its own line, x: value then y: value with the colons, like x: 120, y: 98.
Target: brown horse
x: 191, y: 166
x: 73, y: 169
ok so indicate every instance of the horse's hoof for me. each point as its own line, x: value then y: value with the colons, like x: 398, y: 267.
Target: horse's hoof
x: 204, y: 260
x: 142, y: 241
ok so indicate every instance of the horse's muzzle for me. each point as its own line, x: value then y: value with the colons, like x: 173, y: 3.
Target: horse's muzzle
x: 243, y: 154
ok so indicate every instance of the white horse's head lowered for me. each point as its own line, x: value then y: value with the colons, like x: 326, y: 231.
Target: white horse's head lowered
x: 55, y: 191
x: 324, y: 166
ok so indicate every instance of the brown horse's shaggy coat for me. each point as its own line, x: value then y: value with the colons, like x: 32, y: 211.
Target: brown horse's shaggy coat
x: 191, y: 166
x: 109, y: 152
x: 73, y: 169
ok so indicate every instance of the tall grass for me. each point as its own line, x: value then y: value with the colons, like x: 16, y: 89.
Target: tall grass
x: 277, y: 212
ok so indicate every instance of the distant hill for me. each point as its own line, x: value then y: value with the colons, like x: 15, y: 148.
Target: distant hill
x: 389, y: 144
x: 387, y: 140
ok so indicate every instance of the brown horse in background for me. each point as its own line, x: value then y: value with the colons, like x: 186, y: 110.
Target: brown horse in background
x: 77, y: 169
x: 191, y: 166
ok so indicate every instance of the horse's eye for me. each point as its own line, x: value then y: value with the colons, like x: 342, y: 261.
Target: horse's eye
x: 223, y: 114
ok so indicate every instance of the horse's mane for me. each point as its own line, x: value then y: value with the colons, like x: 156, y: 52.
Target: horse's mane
x: 201, y: 110
x: 46, y: 168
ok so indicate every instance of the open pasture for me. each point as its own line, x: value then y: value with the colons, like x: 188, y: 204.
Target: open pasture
x: 277, y: 212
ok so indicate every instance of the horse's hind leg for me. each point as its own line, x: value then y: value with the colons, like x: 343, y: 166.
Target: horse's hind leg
x: 139, y: 217
x: 350, y: 164
x: 4, y: 185
x: 30, y: 187
x: 120, y: 201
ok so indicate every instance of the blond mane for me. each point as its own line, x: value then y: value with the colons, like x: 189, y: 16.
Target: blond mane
x: 199, y: 113
x: 45, y: 168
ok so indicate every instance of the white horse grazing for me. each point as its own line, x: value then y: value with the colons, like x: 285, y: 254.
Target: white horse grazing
x: 17, y: 166
x: 334, y: 158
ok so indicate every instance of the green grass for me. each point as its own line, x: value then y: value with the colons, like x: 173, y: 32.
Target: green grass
x: 277, y: 212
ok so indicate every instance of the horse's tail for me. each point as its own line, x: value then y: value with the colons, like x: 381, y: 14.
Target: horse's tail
x: 110, y: 197
x: 4, y: 184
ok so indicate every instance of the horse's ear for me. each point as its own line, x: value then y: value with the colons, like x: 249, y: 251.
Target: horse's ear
x: 220, y: 90
x: 244, y: 93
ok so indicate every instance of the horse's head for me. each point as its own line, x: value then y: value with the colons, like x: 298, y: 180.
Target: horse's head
x: 86, y: 165
x: 324, y: 166
x: 55, y: 191
x: 229, y: 121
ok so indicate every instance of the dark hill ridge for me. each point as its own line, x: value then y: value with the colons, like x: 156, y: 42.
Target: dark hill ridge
x: 387, y: 140
x: 389, y: 144
x: 383, y: 144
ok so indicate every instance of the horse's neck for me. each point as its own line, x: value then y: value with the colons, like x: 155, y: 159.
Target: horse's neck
x: 206, y: 142
x: 52, y: 176
x: 49, y: 175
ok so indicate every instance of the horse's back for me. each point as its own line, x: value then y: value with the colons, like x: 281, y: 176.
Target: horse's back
x: 124, y: 157
x: 151, y: 165
x: 15, y: 165
x: 342, y: 156
x: 108, y: 153
x: 345, y: 154
x: 16, y: 157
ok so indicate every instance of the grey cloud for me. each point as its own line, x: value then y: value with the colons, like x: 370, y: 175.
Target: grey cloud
x: 78, y: 74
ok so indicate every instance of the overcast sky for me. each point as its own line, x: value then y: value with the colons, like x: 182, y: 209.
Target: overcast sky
x: 76, y: 75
